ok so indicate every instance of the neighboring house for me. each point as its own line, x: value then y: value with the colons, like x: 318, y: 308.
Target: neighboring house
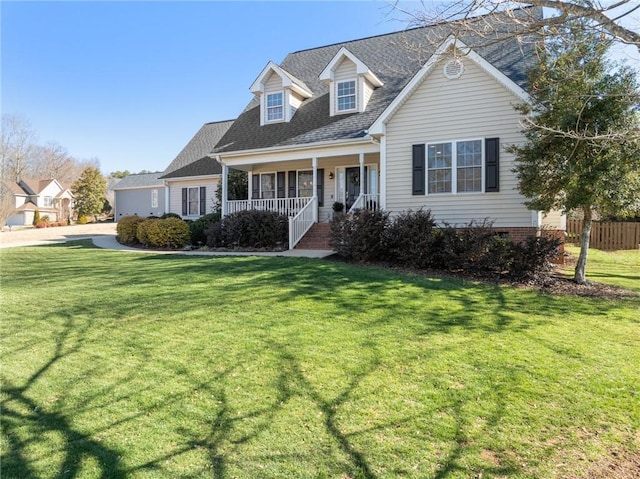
x: 394, y: 121
x: 49, y: 197
x: 193, y: 176
x: 142, y: 195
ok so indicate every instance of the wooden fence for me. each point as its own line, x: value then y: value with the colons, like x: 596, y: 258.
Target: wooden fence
x: 606, y: 235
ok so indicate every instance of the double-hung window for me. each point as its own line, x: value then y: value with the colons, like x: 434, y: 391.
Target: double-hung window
x: 275, y: 106
x: 346, y: 95
x: 454, y: 167
x: 154, y: 198
x: 48, y: 201
x: 194, y: 201
x: 305, y: 184
x: 268, y: 185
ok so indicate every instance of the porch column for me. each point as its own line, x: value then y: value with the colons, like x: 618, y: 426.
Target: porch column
x: 362, y: 175
x: 225, y: 187
x: 314, y: 164
x: 249, y: 185
x: 382, y: 183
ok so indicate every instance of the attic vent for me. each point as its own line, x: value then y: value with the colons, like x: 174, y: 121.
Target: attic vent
x: 453, y: 69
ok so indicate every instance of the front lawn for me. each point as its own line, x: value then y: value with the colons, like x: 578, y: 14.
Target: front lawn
x: 137, y: 365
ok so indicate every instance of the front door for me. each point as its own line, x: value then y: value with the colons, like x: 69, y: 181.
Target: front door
x: 352, y: 188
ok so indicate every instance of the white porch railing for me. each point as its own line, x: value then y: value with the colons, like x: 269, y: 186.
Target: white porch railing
x: 303, y: 221
x: 366, y: 202
x: 284, y: 206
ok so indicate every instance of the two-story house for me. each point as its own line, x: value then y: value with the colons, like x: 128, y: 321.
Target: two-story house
x: 408, y: 120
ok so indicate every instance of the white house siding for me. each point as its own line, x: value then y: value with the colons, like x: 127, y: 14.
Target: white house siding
x: 137, y: 201
x: 346, y: 70
x: 473, y: 106
x: 175, y: 194
x: 555, y: 220
x: 273, y: 84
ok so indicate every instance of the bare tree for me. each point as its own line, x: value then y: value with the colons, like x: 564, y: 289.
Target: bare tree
x: 17, y: 146
x: 54, y: 161
x: 604, y: 16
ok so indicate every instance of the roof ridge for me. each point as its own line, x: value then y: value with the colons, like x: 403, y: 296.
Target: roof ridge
x: 219, y: 121
x: 443, y: 22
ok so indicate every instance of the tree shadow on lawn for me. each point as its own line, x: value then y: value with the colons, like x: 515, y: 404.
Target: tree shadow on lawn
x: 18, y: 410
x: 371, y: 295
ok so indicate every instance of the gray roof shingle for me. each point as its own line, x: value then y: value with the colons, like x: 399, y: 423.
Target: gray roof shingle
x: 142, y: 180
x: 193, y: 160
x: 395, y: 58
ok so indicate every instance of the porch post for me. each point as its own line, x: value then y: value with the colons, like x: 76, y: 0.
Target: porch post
x: 362, y: 173
x: 225, y: 187
x: 314, y: 164
x: 249, y: 186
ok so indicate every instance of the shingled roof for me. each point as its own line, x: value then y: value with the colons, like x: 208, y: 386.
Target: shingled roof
x: 141, y: 180
x: 394, y: 58
x: 193, y: 159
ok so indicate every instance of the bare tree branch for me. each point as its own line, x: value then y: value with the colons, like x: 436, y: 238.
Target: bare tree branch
x: 519, y: 21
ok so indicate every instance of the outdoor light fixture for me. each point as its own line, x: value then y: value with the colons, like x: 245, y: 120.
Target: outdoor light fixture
x: 331, y: 175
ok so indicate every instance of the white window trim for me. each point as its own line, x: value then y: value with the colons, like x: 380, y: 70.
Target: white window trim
x: 454, y: 167
x: 338, y: 111
x: 267, y: 107
x: 189, y: 213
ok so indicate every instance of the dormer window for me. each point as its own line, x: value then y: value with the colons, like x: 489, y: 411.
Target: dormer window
x: 275, y: 107
x: 346, y: 95
x: 280, y: 93
x: 351, y: 83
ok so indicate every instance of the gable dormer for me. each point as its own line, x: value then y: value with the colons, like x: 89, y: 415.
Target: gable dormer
x: 280, y: 94
x: 350, y: 81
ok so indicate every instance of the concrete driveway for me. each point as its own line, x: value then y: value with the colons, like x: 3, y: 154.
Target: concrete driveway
x: 33, y: 236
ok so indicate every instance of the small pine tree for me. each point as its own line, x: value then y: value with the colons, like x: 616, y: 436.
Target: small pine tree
x: 36, y: 217
x: 583, y: 149
x: 89, y: 192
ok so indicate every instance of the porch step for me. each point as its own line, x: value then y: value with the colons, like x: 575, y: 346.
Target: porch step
x: 317, y: 237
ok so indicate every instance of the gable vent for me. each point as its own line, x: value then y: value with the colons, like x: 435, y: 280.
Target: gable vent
x: 453, y: 69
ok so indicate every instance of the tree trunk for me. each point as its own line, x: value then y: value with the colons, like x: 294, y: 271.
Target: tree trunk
x: 579, y: 276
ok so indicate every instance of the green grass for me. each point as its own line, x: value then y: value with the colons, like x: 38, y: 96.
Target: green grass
x: 619, y: 268
x: 134, y: 365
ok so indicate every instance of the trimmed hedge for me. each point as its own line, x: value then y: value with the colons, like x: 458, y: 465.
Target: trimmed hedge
x: 360, y: 236
x: 170, y: 233
x: 412, y: 239
x: 127, y: 229
x: 249, y: 229
x: 198, y: 227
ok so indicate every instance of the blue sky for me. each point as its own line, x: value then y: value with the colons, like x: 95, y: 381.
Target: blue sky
x: 130, y: 83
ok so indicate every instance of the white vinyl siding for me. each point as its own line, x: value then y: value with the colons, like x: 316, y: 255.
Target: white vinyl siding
x: 440, y: 110
x: 345, y: 72
x: 175, y: 193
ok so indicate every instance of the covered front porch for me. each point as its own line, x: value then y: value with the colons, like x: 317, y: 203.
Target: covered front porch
x: 306, y: 189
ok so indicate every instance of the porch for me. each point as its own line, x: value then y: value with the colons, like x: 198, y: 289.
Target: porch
x: 306, y: 190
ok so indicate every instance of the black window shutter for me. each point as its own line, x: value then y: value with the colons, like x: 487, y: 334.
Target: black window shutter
x: 185, y: 194
x: 492, y: 165
x: 280, y: 175
x: 203, y: 200
x: 255, y: 187
x: 418, y: 169
x: 320, y: 188
x: 292, y: 184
